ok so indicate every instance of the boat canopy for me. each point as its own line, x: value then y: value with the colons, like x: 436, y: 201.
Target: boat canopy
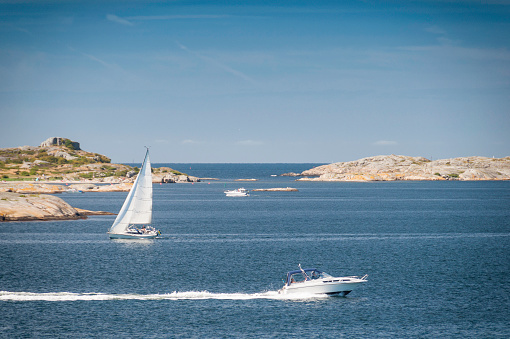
x: 305, y: 274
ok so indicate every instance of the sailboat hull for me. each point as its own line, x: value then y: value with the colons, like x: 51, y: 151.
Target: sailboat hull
x: 132, y: 236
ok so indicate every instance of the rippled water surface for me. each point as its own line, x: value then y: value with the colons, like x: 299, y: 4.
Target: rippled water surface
x: 437, y: 255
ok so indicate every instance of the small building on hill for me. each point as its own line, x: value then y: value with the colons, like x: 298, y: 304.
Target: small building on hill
x: 57, y: 141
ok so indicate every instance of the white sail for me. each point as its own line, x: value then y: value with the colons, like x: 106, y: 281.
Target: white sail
x: 137, y: 208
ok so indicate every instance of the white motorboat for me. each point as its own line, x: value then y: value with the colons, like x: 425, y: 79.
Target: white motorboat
x: 135, y: 216
x: 240, y: 192
x: 313, y: 281
x: 72, y: 190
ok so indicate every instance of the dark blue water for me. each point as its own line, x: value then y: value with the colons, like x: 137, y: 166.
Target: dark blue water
x: 230, y: 172
x: 437, y: 255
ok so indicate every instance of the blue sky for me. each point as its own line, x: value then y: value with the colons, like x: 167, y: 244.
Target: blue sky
x: 258, y: 81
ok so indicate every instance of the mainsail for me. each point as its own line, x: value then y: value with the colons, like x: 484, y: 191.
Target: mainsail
x: 137, y: 208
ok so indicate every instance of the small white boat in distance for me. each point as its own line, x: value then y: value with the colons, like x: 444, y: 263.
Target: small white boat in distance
x: 240, y: 192
x: 135, y: 216
x: 313, y: 281
x: 72, y: 190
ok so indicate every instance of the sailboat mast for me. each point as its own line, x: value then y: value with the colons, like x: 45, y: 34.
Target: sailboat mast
x: 145, y: 158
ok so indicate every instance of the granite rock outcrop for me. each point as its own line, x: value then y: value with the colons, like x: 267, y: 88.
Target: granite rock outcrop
x: 41, y: 188
x: 58, y: 141
x: 21, y: 207
x: 399, y: 167
x: 173, y: 178
x: 276, y: 189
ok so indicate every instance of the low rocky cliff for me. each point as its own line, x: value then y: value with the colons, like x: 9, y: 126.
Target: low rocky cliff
x: 18, y: 207
x: 169, y: 175
x: 62, y: 160
x: 399, y: 167
x: 28, y: 207
x: 41, y: 188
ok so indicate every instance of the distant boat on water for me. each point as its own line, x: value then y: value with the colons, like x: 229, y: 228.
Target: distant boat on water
x: 239, y: 192
x: 135, y: 217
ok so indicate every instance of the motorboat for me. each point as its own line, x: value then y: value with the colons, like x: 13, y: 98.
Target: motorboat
x: 135, y: 216
x: 239, y: 192
x: 313, y: 281
x: 73, y: 190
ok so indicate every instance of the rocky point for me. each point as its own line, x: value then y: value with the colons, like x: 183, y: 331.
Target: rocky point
x: 400, y: 167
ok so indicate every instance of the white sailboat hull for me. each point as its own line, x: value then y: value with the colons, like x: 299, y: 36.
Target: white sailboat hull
x: 133, y: 236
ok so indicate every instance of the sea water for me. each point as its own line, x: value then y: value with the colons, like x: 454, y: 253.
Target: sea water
x: 437, y: 255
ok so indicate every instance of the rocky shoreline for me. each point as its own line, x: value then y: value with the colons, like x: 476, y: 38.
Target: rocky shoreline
x: 39, y: 207
x: 399, y: 167
x: 22, y: 201
x: 54, y: 188
x: 59, y: 165
x: 276, y: 189
x: 29, y: 200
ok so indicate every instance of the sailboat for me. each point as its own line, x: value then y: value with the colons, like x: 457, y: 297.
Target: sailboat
x: 135, y: 216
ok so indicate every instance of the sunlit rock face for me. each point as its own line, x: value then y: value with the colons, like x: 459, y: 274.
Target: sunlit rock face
x: 399, y: 167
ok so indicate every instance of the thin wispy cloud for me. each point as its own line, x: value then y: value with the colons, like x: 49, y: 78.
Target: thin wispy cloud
x: 99, y: 60
x: 435, y: 30
x: 128, y: 21
x: 96, y: 59
x: 19, y: 29
x: 189, y: 142
x: 385, y: 143
x: 459, y: 52
x: 176, y: 17
x: 118, y: 20
x: 250, y: 142
x: 441, y: 34
x: 216, y: 63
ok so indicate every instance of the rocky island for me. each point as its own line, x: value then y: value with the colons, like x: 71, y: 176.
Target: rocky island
x: 21, y: 207
x: 400, y: 167
x: 59, y: 165
x: 276, y: 189
x: 59, y: 160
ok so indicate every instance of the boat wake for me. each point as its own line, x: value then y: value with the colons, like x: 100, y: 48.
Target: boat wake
x: 191, y: 295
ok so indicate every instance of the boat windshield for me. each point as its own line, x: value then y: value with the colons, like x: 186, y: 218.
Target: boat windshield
x: 297, y: 277
x: 300, y: 276
x: 318, y: 275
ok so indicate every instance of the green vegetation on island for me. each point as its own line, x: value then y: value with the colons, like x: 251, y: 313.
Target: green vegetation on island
x: 59, y: 159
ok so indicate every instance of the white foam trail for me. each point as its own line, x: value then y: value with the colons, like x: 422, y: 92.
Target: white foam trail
x: 191, y: 295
